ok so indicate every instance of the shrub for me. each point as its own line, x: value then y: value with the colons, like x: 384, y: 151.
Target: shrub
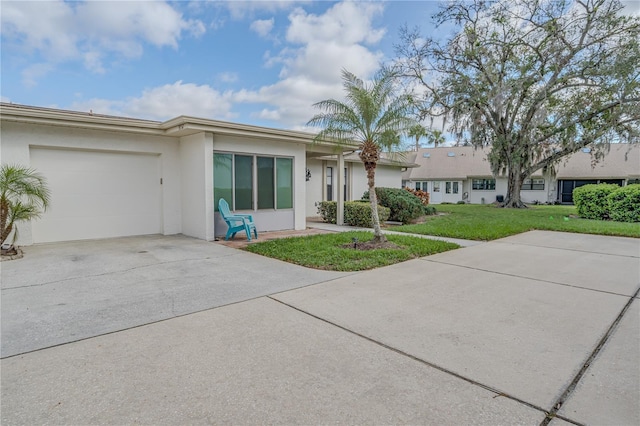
x: 356, y: 213
x: 429, y: 210
x: 591, y: 200
x: 461, y: 202
x: 403, y: 204
x: 359, y: 214
x: 423, y: 195
x: 624, y: 204
x: 327, y: 210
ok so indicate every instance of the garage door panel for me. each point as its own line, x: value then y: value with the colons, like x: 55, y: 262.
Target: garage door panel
x: 97, y: 194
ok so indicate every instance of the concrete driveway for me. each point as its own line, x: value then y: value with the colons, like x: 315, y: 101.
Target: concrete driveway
x: 539, y: 328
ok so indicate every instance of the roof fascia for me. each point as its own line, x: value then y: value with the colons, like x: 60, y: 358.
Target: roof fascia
x: 77, y: 120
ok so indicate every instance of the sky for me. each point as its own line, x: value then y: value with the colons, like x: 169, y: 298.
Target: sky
x: 263, y: 63
x: 254, y: 62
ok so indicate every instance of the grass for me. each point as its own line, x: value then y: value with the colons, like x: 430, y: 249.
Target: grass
x: 326, y: 251
x: 486, y: 222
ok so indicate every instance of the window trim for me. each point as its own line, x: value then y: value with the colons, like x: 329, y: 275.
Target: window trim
x: 486, y: 184
x: 531, y: 185
x: 254, y: 181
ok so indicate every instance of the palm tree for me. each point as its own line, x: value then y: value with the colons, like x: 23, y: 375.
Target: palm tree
x: 417, y: 131
x: 372, y: 116
x: 436, y: 137
x: 24, y: 195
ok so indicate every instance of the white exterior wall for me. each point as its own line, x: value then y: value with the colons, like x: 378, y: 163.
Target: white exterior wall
x: 386, y: 177
x: 18, y: 138
x: 315, y: 186
x: 476, y: 196
x: 196, y: 158
x: 267, y: 220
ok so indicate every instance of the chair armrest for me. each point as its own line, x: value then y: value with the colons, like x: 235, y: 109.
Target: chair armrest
x: 247, y: 216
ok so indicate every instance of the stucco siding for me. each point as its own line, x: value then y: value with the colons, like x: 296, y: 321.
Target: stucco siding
x: 20, y: 140
x: 269, y: 220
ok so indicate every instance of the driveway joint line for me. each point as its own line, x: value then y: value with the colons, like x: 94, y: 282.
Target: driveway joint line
x: 165, y: 319
x: 557, y: 405
x: 415, y: 358
x: 426, y: 259
x: 568, y: 249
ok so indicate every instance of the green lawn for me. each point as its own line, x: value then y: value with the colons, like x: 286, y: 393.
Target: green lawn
x: 486, y: 222
x: 326, y: 251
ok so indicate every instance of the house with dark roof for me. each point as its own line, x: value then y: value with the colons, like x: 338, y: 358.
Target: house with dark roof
x: 454, y: 174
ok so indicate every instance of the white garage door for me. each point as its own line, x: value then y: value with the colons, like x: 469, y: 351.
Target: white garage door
x: 97, y: 194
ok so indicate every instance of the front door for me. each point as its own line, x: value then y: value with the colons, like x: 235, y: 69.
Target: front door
x: 436, y: 192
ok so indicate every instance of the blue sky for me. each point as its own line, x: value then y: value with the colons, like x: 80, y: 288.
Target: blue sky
x: 259, y: 62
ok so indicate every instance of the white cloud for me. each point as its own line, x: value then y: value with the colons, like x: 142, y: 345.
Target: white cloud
x: 262, y: 26
x: 88, y: 32
x: 34, y: 72
x: 165, y: 102
x: 243, y: 9
x: 227, y: 77
x: 311, y: 69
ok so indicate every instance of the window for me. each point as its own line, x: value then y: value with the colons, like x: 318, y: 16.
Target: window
x: 436, y: 186
x: 533, y: 184
x: 421, y: 186
x: 451, y: 187
x: 266, y: 189
x: 483, y: 184
x: 284, y: 189
x: 250, y: 182
x: 243, y: 182
x: 329, y: 183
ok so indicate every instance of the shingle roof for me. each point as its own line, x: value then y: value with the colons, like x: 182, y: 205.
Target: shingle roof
x: 463, y: 162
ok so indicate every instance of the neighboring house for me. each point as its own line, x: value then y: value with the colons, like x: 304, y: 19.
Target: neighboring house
x: 453, y: 174
x: 114, y: 176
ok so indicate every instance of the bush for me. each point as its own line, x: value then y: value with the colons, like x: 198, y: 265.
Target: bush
x: 403, y: 204
x: 624, y: 204
x: 429, y: 210
x: 591, y: 200
x: 359, y: 214
x: 423, y: 195
x: 328, y: 210
x: 356, y: 213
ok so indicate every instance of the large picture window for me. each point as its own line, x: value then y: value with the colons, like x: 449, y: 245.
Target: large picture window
x: 483, y: 184
x: 250, y: 182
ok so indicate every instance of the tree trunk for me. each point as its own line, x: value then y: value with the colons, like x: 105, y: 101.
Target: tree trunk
x: 5, y: 228
x: 378, y: 236
x: 514, y: 186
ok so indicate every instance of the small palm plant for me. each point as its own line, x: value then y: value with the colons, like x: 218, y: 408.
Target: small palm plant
x: 24, y: 195
x: 373, y: 116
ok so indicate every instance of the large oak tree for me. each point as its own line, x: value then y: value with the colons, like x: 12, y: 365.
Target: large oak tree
x: 533, y: 80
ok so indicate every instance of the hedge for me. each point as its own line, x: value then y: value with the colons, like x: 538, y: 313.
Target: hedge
x: 591, y: 200
x: 404, y: 206
x: 356, y: 213
x: 624, y: 204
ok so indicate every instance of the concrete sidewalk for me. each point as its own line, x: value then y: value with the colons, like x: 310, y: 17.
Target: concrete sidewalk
x: 503, y: 332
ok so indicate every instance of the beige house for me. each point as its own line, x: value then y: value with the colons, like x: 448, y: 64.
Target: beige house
x: 114, y: 176
x: 453, y: 174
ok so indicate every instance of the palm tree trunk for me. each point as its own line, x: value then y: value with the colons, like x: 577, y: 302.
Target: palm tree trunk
x: 378, y: 236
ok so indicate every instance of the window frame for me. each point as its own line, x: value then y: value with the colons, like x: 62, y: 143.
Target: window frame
x: 483, y: 184
x: 255, y: 193
x: 531, y: 184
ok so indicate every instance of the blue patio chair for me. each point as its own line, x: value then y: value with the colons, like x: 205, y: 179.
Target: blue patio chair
x: 236, y: 222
